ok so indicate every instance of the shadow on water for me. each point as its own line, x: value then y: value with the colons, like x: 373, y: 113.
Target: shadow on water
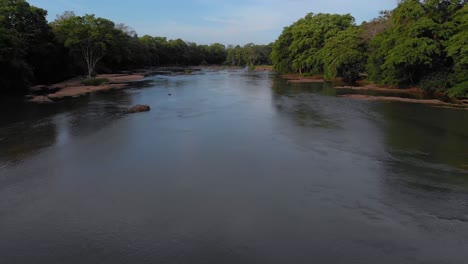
x: 26, y: 129
x: 428, y: 145
x: 428, y: 171
x: 233, y: 167
x: 431, y: 135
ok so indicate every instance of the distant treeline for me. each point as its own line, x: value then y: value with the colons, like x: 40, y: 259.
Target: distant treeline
x: 33, y: 51
x: 420, y: 43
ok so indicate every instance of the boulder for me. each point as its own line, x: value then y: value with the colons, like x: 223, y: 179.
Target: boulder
x: 139, y: 109
x: 40, y: 99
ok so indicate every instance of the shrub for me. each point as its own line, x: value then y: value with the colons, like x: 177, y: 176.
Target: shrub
x: 460, y: 90
x: 435, y: 82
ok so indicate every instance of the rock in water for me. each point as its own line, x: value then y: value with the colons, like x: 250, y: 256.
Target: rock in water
x: 40, y: 99
x: 139, y: 109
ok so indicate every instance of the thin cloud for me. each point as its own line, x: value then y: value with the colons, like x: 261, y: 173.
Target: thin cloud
x: 208, y: 21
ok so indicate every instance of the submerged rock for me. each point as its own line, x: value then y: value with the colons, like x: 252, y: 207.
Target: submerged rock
x: 139, y: 109
x: 40, y: 99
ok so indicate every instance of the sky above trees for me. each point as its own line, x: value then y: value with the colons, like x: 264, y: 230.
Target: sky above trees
x: 209, y: 21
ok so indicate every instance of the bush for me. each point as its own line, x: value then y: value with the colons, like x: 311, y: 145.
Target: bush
x: 459, y: 91
x: 435, y: 82
x: 95, y: 81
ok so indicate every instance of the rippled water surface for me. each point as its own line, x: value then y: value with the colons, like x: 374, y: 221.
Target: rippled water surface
x: 234, y: 167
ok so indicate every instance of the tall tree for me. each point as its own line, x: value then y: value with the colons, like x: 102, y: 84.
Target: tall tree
x: 27, y: 47
x: 409, y: 50
x: 297, y: 47
x: 345, y: 55
x: 87, y: 35
x: 457, y: 49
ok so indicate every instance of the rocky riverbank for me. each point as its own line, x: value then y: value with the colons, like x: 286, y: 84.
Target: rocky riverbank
x: 75, y: 87
x: 373, y: 92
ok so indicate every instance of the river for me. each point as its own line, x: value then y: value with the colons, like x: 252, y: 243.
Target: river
x: 232, y: 167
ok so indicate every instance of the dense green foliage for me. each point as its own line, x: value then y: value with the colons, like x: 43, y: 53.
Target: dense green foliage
x: 27, y: 44
x: 344, y: 55
x: 249, y: 55
x: 298, y: 48
x: 33, y: 51
x: 420, y: 43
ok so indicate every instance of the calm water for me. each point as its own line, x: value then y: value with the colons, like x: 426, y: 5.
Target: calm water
x: 234, y: 167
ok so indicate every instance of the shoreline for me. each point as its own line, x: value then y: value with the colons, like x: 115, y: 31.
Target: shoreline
x: 397, y: 99
x: 461, y: 104
x: 374, y: 87
x: 73, y: 88
x: 295, y: 78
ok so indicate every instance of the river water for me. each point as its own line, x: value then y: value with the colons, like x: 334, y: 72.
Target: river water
x: 233, y: 167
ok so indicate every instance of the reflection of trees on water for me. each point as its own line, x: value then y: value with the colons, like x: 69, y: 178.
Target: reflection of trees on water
x: 32, y: 128
x: 281, y: 87
x: 431, y: 135
x: 418, y: 152
x: 22, y: 140
x: 297, y: 102
x: 429, y: 151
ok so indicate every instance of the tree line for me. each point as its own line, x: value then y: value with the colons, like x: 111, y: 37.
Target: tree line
x: 419, y: 43
x: 33, y: 51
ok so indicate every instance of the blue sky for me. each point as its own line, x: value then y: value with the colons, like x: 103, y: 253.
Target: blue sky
x: 209, y: 21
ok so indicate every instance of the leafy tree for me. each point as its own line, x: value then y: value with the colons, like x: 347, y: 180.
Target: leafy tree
x: 344, y: 55
x: 298, y: 45
x: 235, y: 56
x: 280, y: 55
x: 377, y: 25
x: 251, y: 54
x: 457, y: 49
x: 15, y: 73
x: 27, y: 45
x: 88, y: 36
x: 409, y: 50
x: 215, y: 53
x: 264, y: 54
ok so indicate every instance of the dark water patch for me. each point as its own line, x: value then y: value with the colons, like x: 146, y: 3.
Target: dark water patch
x: 233, y: 167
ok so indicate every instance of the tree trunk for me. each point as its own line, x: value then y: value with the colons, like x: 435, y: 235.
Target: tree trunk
x: 92, y: 57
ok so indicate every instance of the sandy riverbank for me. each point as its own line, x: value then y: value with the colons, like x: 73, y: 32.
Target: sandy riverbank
x: 455, y: 104
x: 373, y: 87
x: 295, y: 78
x: 74, y: 87
x: 400, y: 99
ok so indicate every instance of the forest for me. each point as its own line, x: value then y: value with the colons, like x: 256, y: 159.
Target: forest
x: 419, y: 43
x: 34, y: 51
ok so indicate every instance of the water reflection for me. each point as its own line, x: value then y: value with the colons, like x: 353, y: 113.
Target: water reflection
x: 425, y: 136
x: 24, y: 139
x: 33, y: 128
x: 427, y: 174
x: 236, y: 166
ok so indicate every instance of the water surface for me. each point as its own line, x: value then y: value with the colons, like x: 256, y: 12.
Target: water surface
x: 234, y: 167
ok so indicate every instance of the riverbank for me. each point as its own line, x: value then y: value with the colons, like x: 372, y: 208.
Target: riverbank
x: 296, y: 78
x: 396, y: 99
x: 374, y: 87
x: 75, y: 87
x: 361, y: 91
x: 409, y: 95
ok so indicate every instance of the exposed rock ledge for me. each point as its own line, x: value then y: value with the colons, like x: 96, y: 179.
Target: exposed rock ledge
x: 139, y: 109
x: 74, y: 88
